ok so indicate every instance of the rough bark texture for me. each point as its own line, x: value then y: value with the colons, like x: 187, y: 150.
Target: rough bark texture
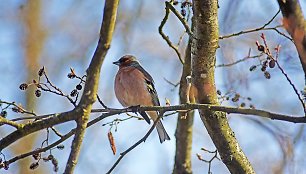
x: 294, y: 22
x: 183, y: 133
x: 205, y: 29
x: 92, y: 81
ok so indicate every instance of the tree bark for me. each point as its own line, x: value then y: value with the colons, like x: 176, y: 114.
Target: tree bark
x: 89, y: 95
x: 203, y: 54
x: 183, y: 133
x: 294, y: 22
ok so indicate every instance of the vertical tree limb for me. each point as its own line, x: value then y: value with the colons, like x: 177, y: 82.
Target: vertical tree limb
x: 183, y: 133
x: 92, y: 80
x: 294, y: 22
x: 203, y: 54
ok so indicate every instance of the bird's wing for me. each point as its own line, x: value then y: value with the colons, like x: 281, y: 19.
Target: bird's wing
x: 152, y: 91
x: 150, y: 84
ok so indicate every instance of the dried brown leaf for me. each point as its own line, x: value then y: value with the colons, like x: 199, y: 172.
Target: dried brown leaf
x: 111, y: 142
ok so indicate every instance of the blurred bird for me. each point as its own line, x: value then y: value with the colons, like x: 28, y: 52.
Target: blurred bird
x: 134, y: 86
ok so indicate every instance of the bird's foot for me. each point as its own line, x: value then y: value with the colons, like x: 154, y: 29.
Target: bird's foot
x: 134, y: 108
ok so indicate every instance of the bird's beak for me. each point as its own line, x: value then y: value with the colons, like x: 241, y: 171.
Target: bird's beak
x: 116, y: 63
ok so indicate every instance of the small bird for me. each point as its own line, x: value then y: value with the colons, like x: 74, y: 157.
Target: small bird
x: 134, y: 86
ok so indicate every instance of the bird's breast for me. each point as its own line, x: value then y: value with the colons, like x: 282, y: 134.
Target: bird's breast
x: 131, y: 89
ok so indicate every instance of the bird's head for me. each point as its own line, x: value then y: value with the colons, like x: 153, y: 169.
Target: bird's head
x: 127, y: 60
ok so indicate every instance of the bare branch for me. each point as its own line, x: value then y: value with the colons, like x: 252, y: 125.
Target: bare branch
x: 251, y: 30
x: 166, y: 38
x: 211, y: 160
x: 143, y: 139
x: 169, y: 7
x: 9, y: 122
x: 62, y: 139
x: 109, y: 112
x: 227, y: 109
x: 269, y: 54
x: 29, y: 128
x: 181, y: 18
x: 239, y: 61
x: 92, y: 80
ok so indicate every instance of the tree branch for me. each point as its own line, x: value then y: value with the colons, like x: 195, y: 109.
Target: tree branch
x: 92, y: 81
x: 211, y: 107
x: 295, y: 24
x: 143, y: 139
x: 32, y: 127
x: 62, y: 139
x: 9, y: 122
x: 250, y: 30
x: 181, y: 18
x: 169, y: 7
x: 165, y: 37
x: 183, y: 132
x: 203, y: 52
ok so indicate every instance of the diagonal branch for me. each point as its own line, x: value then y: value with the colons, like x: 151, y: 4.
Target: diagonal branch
x: 9, y: 122
x: 143, y: 139
x: 169, y: 7
x: 62, y: 139
x: 32, y: 127
x: 180, y: 17
x: 92, y: 81
x: 251, y: 30
x: 166, y: 38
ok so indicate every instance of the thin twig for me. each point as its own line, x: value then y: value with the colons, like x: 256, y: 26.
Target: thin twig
x: 279, y: 32
x: 143, y: 139
x: 57, y: 90
x: 56, y: 132
x: 166, y: 38
x: 239, y: 61
x: 100, y: 101
x: 19, y: 107
x: 39, y: 117
x: 251, y: 30
x: 209, y: 161
x: 268, y: 53
x: 181, y: 18
x: 171, y: 83
x: 292, y: 85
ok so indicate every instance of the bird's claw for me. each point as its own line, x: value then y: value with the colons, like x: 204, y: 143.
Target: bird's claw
x: 134, y: 108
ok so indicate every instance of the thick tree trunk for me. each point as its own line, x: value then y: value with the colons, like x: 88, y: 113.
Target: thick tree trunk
x: 183, y: 133
x: 203, y: 54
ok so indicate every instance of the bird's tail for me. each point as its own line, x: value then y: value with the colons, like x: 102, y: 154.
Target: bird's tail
x: 161, y: 132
